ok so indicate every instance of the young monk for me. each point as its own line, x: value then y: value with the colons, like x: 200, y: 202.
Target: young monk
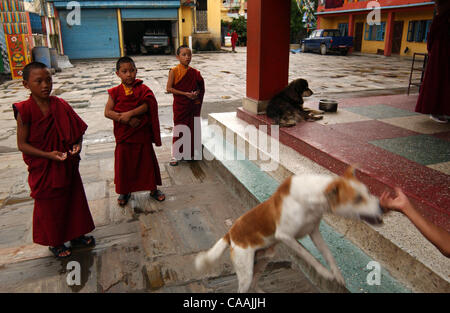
x: 49, y: 134
x: 188, y: 88
x: 134, y: 110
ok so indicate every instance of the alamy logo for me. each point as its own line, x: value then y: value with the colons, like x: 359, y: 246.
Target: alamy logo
x: 74, y: 275
x: 374, y: 17
x: 225, y: 146
x: 374, y: 277
x: 74, y: 16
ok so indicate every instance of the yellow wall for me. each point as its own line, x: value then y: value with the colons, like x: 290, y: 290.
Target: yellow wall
x: 413, y: 46
x: 187, y: 27
x: 214, y: 18
x: 333, y: 22
x: 372, y: 46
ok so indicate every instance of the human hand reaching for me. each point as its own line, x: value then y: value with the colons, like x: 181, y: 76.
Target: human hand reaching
x: 398, y: 203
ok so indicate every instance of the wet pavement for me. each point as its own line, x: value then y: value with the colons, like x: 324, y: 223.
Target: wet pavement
x: 146, y: 246
x: 150, y: 246
x: 84, y: 86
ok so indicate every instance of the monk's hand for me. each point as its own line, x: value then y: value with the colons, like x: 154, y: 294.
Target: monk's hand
x: 76, y: 148
x: 125, y: 118
x: 191, y: 95
x: 134, y: 122
x: 57, y: 156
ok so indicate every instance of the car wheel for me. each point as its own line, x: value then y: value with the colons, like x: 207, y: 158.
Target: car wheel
x: 344, y: 52
x: 323, y: 49
x: 143, y: 50
x: 303, y: 47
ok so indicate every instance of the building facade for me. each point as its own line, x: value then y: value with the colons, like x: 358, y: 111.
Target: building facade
x: 107, y: 29
x: 233, y: 9
x: 388, y: 27
x: 15, y: 38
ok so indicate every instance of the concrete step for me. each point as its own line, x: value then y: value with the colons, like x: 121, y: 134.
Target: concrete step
x: 408, y: 261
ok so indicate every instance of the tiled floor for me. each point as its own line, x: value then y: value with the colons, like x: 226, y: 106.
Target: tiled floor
x: 392, y: 145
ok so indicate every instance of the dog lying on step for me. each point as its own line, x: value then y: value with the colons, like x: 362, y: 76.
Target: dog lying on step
x: 286, y: 107
x: 292, y: 212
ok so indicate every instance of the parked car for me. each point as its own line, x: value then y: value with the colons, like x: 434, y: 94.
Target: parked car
x: 155, y: 40
x: 324, y: 40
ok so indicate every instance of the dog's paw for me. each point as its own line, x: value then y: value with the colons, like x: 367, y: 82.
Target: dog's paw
x: 338, y: 277
x: 326, y: 274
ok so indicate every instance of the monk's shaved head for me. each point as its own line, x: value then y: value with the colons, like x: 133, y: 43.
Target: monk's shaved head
x: 123, y: 60
x: 31, y: 66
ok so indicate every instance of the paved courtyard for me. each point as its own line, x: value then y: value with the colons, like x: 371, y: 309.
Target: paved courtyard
x: 144, y: 247
x: 84, y: 86
x: 149, y: 246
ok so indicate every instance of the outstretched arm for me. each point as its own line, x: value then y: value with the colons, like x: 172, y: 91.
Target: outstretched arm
x: 435, y: 234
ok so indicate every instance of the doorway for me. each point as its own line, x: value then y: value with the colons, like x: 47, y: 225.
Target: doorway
x: 397, y: 37
x: 359, y: 28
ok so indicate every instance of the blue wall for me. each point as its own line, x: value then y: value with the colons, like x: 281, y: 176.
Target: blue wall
x: 96, y: 37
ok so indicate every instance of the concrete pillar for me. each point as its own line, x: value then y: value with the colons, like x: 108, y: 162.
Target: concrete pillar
x: 351, y: 28
x: 389, y: 35
x: 268, y: 31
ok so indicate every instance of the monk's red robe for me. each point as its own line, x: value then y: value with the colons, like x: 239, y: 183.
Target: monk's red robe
x: 136, y: 167
x: 434, y: 95
x: 185, y: 110
x: 61, y: 212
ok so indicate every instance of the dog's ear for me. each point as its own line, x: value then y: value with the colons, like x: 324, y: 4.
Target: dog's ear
x: 338, y: 191
x: 332, y: 193
x: 291, y: 93
x: 350, y: 172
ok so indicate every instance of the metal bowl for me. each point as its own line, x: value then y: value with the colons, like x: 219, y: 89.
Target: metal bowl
x: 328, y: 105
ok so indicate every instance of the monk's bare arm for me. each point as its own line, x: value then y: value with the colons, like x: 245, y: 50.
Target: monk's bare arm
x: 109, y: 110
x: 22, y: 134
x: 174, y: 91
x: 143, y: 108
x: 126, y: 117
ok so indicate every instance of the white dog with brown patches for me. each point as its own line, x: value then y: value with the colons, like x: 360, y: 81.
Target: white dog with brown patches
x: 292, y: 212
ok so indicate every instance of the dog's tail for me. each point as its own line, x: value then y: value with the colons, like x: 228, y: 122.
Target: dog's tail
x: 205, y: 259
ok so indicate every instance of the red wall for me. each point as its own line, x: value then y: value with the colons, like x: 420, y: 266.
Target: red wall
x: 363, y: 4
x: 268, y: 31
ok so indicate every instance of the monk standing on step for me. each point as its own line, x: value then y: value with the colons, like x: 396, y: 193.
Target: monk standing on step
x: 188, y: 88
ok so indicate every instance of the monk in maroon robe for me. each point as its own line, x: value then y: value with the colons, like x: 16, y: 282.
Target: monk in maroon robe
x: 234, y: 39
x: 133, y: 108
x: 434, y: 96
x: 188, y: 89
x: 49, y: 133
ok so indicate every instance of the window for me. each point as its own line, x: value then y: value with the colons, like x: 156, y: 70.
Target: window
x: 418, y: 31
x: 201, y: 16
x: 330, y: 33
x: 343, y: 29
x: 375, y: 32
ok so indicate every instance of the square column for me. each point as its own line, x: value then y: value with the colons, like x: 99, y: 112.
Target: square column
x: 389, y: 34
x: 268, y: 32
x: 351, y: 29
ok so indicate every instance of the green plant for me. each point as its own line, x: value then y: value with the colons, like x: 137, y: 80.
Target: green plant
x: 296, y: 22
